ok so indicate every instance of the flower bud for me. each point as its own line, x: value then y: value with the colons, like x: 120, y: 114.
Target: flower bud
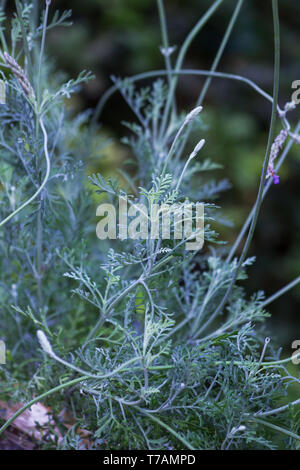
x: 44, y: 342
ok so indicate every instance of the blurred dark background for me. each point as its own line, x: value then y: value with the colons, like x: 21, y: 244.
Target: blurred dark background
x: 122, y: 37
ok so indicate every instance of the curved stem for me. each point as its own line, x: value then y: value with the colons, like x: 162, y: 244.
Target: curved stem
x: 168, y: 428
x: 158, y: 73
x: 277, y: 428
x: 281, y: 292
x: 86, y: 377
x: 39, y: 398
x: 95, y: 376
x: 266, y: 159
x: 266, y: 189
x: 120, y: 368
x: 278, y: 410
x: 179, y: 132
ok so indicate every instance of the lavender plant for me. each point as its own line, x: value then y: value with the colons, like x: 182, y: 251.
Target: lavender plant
x: 146, y: 344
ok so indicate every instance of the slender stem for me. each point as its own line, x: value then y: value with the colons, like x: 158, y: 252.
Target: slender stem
x: 39, y: 240
x: 165, y: 40
x: 158, y: 73
x: 42, y: 54
x: 167, y: 159
x: 168, y: 428
x: 95, y: 376
x: 277, y: 428
x: 220, y: 50
x: 25, y: 42
x: 108, y: 310
x: 120, y: 368
x: 3, y: 41
x: 183, y: 172
x: 264, y: 365
x: 278, y: 410
x: 267, y: 156
x: 272, y: 128
x: 2, y: 35
x: 166, y: 45
x: 35, y: 13
x: 39, y: 398
x: 177, y: 327
x: 39, y: 245
x: 183, y: 50
x: 281, y: 292
x: 266, y: 189
x: 214, y: 67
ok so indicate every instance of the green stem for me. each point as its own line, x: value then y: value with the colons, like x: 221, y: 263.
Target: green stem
x: 39, y: 241
x: 121, y: 368
x: 266, y: 160
x: 179, y: 132
x: 281, y: 408
x: 35, y: 13
x: 220, y: 50
x: 25, y: 42
x: 158, y: 73
x: 277, y: 428
x: 166, y: 46
x: 168, y: 428
x: 41, y: 55
x: 183, y: 50
x: 213, y: 67
x: 108, y: 310
x: 39, y: 398
x: 266, y: 189
x: 164, y: 33
x: 264, y: 365
x: 281, y: 292
x: 39, y: 244
x: 2, y: 35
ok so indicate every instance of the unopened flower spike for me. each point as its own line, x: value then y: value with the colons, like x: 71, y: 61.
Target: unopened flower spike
x: 275, y: 149
x: 192, y: 155
x: 236, y: 429
x: 45, y: 344
x: 193, y: 114
x: 197, y: 149
x: 20, y: 75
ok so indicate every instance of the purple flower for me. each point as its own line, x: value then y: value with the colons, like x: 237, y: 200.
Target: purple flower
x: 272, y: 173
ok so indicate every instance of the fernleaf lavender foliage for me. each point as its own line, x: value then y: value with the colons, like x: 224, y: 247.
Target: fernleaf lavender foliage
x: 137, y: 317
